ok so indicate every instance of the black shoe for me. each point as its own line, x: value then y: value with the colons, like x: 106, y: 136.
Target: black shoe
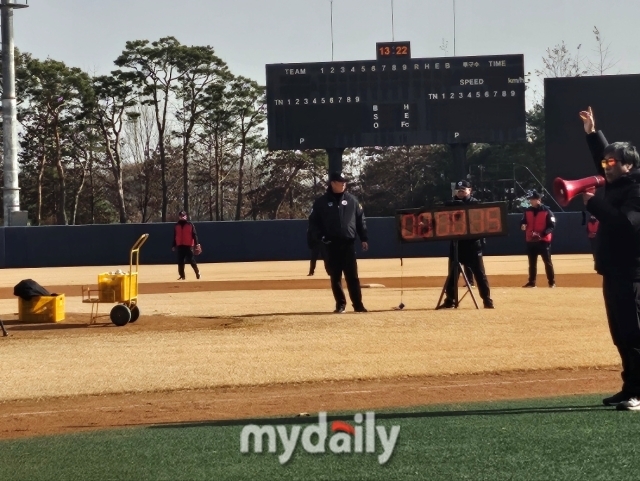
x: 552, y: 285
x: 310, y: 274
x: 360, y: 309
x: 181, y: 278
x: 339, y: 310
x: 530, y: 284
x: 447, y: 304
x: 616, y: 399
x: 488, y: 304
x: 197, y: 275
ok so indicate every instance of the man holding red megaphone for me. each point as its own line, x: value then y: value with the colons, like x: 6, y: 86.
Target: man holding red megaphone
x: 617, y: 252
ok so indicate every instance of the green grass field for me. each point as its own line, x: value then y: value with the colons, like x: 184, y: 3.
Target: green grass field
x: 556, y: 439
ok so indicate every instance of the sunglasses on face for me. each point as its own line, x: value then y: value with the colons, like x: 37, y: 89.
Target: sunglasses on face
x: 608, y: 162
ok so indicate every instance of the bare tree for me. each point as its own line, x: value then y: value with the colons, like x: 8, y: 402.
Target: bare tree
x: 141, y: 151
x: 444, y: 46
x: 560, y: 62
x: 604, y: 61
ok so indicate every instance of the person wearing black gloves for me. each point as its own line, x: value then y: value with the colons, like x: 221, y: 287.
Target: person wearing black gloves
x: 617, y: 254
x: 538, y: 223
x: 335, y: 220
x: 469, y: 254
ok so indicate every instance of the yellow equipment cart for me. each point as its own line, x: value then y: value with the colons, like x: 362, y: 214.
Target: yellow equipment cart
x: 120, y: 288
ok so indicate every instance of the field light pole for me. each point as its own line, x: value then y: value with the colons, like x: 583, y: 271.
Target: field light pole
x: 11, y: 193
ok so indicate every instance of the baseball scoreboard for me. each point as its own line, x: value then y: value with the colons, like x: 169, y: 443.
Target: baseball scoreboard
x: 396, y: 100
x: 463, y: 221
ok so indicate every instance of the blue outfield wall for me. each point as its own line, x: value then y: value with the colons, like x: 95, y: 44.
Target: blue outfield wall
x: 245, y: 241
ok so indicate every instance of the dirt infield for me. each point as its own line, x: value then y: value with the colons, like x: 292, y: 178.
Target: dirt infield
x: 263, y: 342
x: 567, y: 280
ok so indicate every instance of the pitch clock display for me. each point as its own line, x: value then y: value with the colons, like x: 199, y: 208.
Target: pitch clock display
x: 396, y: 100
x: 452, y: 222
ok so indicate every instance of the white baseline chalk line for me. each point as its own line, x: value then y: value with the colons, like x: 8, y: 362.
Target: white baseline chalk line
x: 279, y: 396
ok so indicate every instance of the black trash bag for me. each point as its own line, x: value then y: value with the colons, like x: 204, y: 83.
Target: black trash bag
x: 28, y: 288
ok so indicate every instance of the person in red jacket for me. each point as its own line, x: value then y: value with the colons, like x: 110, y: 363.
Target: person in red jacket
x: 592, y: 229
x: 185, y: 240
x: 538, y: 223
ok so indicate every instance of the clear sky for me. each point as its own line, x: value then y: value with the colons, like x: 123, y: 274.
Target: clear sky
x: 248, y: 34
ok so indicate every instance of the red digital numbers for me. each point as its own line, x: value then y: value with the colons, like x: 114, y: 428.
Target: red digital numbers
x: 408, y: 226
x: 415, y: 226
x: 485, y: 221
x: 425, y: 224
x: 451, y: 223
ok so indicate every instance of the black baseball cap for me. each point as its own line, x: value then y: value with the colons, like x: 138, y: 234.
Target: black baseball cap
x: 182, y: 213
x: 337, y: 177
x: 463, y: 184
x: 534, y: 194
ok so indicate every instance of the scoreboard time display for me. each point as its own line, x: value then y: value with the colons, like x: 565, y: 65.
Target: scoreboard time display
x: 396, y: 100
x: 464, y: 221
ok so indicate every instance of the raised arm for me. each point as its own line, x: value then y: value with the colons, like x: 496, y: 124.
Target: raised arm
x: 595, y: 138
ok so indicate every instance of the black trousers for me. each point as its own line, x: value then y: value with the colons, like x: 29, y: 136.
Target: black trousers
x: 341, y: 257
x: 318, y: 252
x: 473, y: 261
x: 185, y: 256
x: 469, y: 273
x: 592, y: 243
x: 542, y: 249
x: 622, y: 302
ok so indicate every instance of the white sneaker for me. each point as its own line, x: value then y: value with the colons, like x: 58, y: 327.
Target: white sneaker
x: 632, y: 404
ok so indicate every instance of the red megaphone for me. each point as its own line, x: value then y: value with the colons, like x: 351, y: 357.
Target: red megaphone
x: 565, y: 190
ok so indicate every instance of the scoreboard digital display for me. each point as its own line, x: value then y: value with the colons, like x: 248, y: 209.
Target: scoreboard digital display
x: 455, y: 222
x: 396, y: 101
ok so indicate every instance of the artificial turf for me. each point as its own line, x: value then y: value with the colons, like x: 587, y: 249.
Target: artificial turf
x: 568, y: 438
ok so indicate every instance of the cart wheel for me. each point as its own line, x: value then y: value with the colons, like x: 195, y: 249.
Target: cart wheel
x: 120, y: 315
x: 135, y: 313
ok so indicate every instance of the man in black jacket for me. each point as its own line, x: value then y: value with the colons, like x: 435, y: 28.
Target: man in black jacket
x: 469, y: 254
x: 335, y: 220
x: 617, y: 252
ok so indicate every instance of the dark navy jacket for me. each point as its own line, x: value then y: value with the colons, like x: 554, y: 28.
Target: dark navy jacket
x: 337, y: 217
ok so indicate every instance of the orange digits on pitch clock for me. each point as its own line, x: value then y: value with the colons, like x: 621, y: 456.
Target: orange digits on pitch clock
x: 407, y: 226
x: 451, y: 223
x: 420, y: 225
x: 485, y: 221
x: 494, y: 219
x: 425, y: 222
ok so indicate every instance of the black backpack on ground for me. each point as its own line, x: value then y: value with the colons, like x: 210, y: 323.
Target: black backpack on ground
x: 29, y: 288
